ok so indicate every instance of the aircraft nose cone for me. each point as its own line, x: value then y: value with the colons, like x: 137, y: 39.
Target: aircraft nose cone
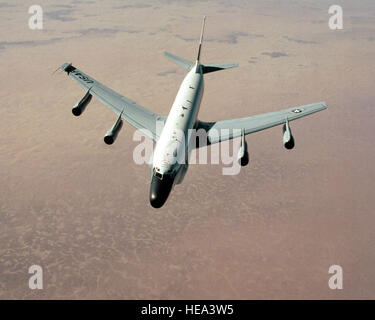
x: 157, y: 201
x: 159, y: 191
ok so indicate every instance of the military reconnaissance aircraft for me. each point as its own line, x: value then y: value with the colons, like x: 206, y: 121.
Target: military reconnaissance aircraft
x: 182, y: 117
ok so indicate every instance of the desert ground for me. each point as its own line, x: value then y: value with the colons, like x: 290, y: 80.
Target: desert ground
x: 80, y: 208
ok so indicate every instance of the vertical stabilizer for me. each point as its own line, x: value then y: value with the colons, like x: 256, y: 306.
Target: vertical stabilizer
x: 201, y: 39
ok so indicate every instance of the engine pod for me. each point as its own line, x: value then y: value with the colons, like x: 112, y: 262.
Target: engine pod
x: 111, y: 134
x: 243, y: 154
x: 81, y: 105
x: 288, y: 139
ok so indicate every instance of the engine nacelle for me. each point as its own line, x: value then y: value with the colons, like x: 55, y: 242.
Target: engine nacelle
x: 111, y: 134
x: 81, y: 105
x: 288, y: 139
x: 243, y: 155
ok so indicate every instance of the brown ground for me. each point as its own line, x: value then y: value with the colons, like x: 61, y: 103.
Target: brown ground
x: 80, y: 208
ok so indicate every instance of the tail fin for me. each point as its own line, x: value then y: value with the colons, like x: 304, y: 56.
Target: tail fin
x: 207, y: 68
x: 186, y: 64
x: 201, y: 39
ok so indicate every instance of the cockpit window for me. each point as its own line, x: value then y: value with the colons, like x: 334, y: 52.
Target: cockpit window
x: 158, y: 175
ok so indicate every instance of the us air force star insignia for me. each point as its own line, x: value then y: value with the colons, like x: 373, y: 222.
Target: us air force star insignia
x: 297, y: 110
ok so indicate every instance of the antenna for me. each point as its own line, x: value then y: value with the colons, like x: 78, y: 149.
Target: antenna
x: 201, y: 38
x: 55, y: 71
x: 65, y: 65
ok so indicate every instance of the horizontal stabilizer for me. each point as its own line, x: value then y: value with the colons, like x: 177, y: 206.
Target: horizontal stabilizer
x: 186, y: 64
x: 207, y: 68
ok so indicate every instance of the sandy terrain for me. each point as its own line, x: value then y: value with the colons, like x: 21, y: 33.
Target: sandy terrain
x: 80, y: 209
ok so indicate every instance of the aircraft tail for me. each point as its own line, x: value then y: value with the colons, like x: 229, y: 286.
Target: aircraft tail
x: 186, y: 64
x: 201, y: 39
x: 207, y: 68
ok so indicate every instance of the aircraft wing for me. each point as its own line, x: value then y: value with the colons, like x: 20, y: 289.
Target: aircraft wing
x: 133, y: 113
x: 216, y: 133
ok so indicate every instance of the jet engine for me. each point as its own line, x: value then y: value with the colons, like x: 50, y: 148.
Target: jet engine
x: 243, y: 155
x: 288, y: 139
x: 81, y: 105
x: 112, y: 133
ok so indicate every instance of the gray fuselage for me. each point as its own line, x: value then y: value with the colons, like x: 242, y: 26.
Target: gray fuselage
x: 167, y: 166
